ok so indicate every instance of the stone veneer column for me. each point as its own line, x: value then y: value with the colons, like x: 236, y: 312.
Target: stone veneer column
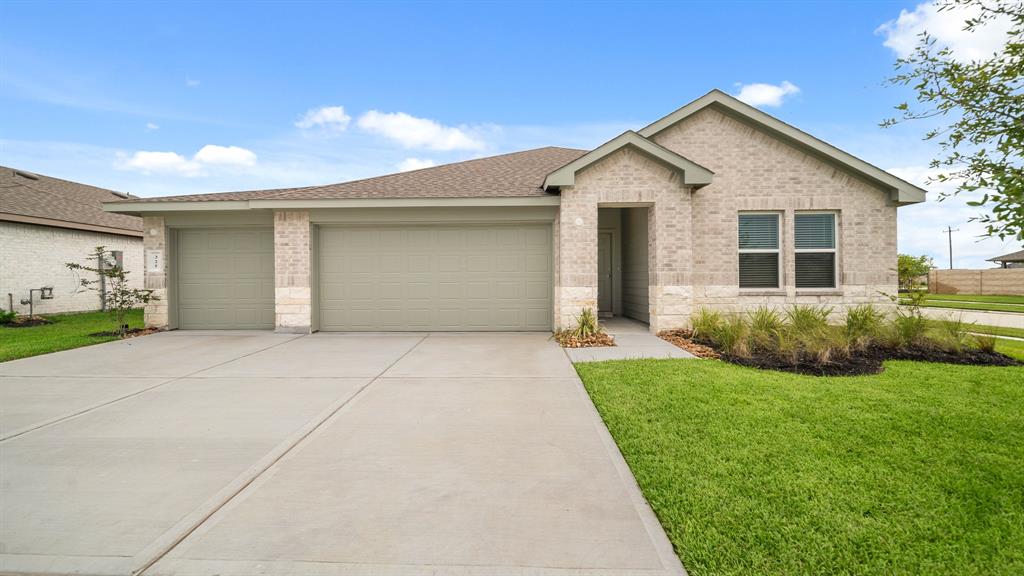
x: 293, y: 306
x: 154, y: 248
x: 576, y: 280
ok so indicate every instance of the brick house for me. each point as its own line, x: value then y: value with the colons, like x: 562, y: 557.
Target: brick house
x: 716, y: 205
x: 46, y: 222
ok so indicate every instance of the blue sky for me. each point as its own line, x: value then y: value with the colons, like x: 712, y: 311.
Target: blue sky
x: 167, y: 99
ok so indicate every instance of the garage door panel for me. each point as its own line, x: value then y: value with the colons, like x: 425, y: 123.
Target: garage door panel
x: 225, y: 278
x: 466, y: 277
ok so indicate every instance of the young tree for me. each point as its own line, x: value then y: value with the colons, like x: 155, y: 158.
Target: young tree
x: 980, y: 107
x: 112, y: 279
x: 909, y: 268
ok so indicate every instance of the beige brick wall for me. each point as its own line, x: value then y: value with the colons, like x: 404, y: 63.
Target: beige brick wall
x: 693, y: 235
x: 33, y: 256
x: 154, y: 244
x: 293, y: 305
x: 754, y: 171
x: 632, y: 179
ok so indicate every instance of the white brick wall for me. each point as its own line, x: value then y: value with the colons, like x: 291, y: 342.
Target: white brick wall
x: 33, y: 256
x: 293, y: 302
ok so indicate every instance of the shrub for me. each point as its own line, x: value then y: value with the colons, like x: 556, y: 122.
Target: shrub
x: 765, y: 324
x: 7, y: 316
x: 908, y: 330
x: 985, y: 342
x: 953, y: 335
x: 808, y: 319
x: 705, y: 324
x: 733, y: 335
x: 587, y: 325
x: 863, y: 325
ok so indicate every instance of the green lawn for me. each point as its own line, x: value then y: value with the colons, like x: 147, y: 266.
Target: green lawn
x: 978, y: 298
x: 67, y: 331
x: 972, y: 302
x: 1014, y: 348
x: 917, y: 470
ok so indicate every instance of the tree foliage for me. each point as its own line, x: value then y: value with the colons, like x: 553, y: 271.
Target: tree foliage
x: 909, y: 268
x: 979, y: 105
x: 112, y: 280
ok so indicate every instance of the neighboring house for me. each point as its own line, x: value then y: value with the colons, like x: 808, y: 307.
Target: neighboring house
x: 1011, y: 260
x: 47, y: 222
x: 716, y: 205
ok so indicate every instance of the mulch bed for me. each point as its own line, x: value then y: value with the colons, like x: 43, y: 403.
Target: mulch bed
x: 683, y: 339
x: 567, y: 340
x: 27, y: 322
x: 129, y: 334
x: 862, y: 362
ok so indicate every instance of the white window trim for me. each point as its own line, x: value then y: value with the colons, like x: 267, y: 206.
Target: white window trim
x: 833, y: 250
x: 777, y: 251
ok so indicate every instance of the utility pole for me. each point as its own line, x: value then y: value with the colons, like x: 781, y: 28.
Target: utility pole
x: 949, y: 231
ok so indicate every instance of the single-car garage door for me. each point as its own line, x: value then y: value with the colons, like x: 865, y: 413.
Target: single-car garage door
x: 443, y: 277
x: 225, y: 278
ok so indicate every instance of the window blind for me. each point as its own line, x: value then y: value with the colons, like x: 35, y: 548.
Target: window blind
x: 815, y: 231
x: 759, y: 232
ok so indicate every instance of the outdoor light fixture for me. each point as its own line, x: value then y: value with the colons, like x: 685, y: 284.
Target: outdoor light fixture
x: 46, y: 293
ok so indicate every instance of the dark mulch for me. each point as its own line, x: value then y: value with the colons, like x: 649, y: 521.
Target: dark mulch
x: 567, y: 340
x: 27, y: 322
x: 128, y: 334
x: 859, y: 363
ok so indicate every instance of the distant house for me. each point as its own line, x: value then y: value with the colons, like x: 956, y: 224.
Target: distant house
x: 1011, y: 260
x: 46, y: 222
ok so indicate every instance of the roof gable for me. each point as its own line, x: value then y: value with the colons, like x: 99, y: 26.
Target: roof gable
x: 901, y: 191
x: 693, y: 174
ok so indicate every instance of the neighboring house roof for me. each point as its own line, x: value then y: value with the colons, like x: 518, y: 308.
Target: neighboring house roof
x: 1017, y: 256
x: 518, y: 174
x: 693, y: 174
x: 37, y: 199
x: 902, y: 191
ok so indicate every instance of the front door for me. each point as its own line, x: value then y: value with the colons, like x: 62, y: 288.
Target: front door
x: 604, y: 274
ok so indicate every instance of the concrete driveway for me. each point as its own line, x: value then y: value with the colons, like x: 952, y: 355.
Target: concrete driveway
x: 255, y: 453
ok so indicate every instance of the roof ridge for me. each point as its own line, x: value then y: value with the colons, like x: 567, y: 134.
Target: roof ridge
x: 448, y: 164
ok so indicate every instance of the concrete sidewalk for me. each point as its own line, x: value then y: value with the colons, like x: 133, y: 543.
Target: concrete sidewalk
x: 255, y: 453
x: 1000, y: 319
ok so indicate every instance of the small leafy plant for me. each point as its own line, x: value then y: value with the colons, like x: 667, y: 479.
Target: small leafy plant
x: 7, y: 316
x: 119, y: 297
x: 587, y: 325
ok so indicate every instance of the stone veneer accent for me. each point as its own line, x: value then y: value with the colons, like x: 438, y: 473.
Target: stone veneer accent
x: 293, y: 303
x: 154, y: 241
x: 692, y: 234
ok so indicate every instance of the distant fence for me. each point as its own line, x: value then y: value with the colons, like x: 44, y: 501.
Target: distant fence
x: 1008, y: 281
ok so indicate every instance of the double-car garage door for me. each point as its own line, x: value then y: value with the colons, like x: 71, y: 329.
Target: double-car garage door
x: 376, y: 278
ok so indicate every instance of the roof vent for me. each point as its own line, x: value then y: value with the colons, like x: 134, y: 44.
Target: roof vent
x: 120, y: 194
x: 28, y: 175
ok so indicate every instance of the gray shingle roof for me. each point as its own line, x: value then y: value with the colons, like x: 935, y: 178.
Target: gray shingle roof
x: 518, y: 174
x: 59, y: 202
x: 1017, y: 256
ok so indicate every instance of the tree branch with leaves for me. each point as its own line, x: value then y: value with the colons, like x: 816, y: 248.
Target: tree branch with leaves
x: 980, y: 107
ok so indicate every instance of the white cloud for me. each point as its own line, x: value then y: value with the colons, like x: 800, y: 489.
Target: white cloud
x: 160, y: 163
x: 330, y: 118
x: 413, y: 132
x: 225, y: 156
x: 150, y: 126
x: 191, y: 83
x: 947, y: 27
x: 172, y: 163
x: 414, y: 164
x: 766, y: 94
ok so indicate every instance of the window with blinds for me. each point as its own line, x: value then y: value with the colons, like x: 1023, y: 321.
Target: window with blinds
x: 759, y: 250
x: 815, y: 249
